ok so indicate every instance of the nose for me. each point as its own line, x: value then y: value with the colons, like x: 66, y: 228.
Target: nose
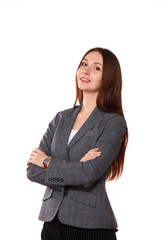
x: 86, y: 70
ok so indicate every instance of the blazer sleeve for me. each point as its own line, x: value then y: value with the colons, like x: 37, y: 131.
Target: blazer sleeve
x: 35, y: 173
x: 45, y: 144
x: 62, y: 172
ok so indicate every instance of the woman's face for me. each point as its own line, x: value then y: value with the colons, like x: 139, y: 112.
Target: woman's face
x: 89, y: 74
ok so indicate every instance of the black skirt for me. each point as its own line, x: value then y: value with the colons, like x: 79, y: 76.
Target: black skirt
x: 55, y: 230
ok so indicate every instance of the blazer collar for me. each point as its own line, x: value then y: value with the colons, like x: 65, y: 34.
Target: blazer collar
x: 88, y: 125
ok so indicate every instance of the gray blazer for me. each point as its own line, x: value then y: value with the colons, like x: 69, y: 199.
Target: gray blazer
x: 77, y: 189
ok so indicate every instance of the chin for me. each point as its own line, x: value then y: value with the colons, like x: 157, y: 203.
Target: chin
x: 82, y: 88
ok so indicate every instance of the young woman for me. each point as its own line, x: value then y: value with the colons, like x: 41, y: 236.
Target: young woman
x: 82, y: 148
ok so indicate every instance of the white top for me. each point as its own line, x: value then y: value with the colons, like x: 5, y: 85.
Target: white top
x: 72, y: 134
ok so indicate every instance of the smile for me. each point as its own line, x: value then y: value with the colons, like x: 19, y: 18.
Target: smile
x: 84, y: 79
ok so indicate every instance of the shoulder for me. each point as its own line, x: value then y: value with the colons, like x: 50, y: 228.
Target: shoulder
x: 115, y: 126
x: 64, y: 113
x: 58, y: 116
x: 68, y: 111
x: 114, y: 120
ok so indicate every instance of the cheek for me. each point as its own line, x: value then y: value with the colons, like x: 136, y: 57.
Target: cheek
x: 80, y: 70
x: 77, y: 73
x: 98, y: 79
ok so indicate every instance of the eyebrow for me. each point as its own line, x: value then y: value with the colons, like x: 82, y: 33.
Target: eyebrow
x: 94, y: 62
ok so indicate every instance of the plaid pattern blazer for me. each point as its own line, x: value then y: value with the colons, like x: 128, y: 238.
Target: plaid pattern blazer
x: 77, y: 189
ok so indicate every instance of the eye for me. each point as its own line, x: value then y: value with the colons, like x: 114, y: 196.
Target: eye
x: 83, y: 64
x: 97, y: 68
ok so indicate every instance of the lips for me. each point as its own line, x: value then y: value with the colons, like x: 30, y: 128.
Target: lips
x: 83, y: 79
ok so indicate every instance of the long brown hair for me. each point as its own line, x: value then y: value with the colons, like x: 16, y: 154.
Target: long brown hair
x: 109, y: 99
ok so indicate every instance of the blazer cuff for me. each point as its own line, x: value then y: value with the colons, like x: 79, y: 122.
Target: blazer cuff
x: 62, y: 172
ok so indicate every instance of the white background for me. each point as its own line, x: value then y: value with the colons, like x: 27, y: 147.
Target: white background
x: 41, y: 44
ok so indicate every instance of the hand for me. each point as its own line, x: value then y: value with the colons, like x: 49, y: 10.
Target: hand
x: 92, y: 154
x: 36, y: 157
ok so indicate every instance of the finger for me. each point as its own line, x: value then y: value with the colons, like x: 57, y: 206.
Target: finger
x: 33, y: 153
x: 39, y: 151
x: 28, y: 162
x: 91, y: 157
x: 94, y: 150
x: 93, y: 154
x: 87, y: 158
x: 36, y: 150
x: 30, y: 158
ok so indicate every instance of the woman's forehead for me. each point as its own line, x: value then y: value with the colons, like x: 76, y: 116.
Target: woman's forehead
x: 94, y: 57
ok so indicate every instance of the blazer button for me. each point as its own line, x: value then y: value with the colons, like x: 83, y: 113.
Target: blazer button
x: 61, y: 179
x: 50, y: 179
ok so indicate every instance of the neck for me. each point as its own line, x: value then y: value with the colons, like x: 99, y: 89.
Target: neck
x: 89, y: 102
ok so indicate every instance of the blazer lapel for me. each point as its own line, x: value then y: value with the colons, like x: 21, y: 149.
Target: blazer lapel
x: 67, y: 124
x: 88, y: 125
